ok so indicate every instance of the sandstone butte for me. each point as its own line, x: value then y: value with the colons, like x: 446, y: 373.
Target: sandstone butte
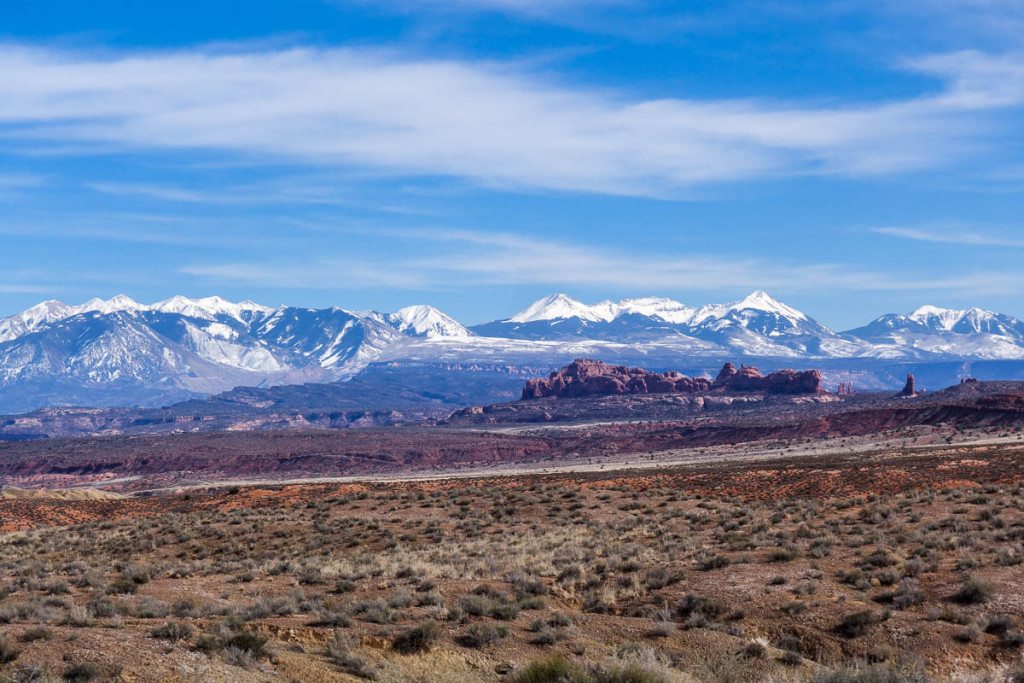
x: 585, y: 377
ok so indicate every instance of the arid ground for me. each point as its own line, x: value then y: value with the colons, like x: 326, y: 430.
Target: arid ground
x: 895, y: 561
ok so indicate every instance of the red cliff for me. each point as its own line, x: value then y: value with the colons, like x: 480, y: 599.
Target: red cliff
x: 585, y: 377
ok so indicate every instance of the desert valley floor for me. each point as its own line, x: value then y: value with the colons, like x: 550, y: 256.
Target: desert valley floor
x: 784, y: 539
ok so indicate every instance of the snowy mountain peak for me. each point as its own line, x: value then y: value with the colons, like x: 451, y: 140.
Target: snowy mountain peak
x: 948, y: 319
x: 557, y: 307
x: 426, y: 321
x: 762, y: 301
x: 45, y: 311
x: 32, y: 318
x: 209, y: 307
x: 659, y: 307
x: 116, y: 304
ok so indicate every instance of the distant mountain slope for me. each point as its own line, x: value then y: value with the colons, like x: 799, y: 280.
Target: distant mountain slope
x: 757, y: 325
x: 121, y: 352
x: 946, y: 333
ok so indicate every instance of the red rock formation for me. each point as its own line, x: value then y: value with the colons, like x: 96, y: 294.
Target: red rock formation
x: 585, y: 377
x: 750, y: 379
x: 908, y: 388
x: 589, y: 378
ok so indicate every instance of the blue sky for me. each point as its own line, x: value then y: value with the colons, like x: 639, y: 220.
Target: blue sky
x: 852, y: 158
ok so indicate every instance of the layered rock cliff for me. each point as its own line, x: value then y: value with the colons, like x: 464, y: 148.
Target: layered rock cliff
x: 585, y: 377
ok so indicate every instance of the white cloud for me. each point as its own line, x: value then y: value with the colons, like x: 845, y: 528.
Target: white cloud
x: 20, y: 181
x: 962, y: 235
x: 494, y: 124
x: 461, y: 259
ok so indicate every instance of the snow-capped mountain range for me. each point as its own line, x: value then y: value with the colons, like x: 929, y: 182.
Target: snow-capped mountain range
x: 118, y: 351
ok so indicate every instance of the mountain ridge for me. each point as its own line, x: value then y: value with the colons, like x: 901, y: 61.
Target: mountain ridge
x: 131, y: 353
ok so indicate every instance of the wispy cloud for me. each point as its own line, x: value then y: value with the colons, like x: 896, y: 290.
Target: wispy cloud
x: 16, y: 288
x: 494, y: 124
x: 459, y: 259
x: 20, y: 180
x: 307, y: 190
x: 961, y: 235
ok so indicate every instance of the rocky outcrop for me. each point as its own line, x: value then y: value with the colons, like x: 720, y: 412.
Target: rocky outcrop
x: 908, y: 388
x: 749, y: 379
x: 585, y: 377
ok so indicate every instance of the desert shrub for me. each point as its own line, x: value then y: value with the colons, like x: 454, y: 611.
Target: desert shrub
x: 247, y: 642
x: 545, y: 634
x: 974, y: 591
x: 430, y: 599
x: 36, y: 633
x: 78, y: 615
x: 526, y: 586
x: 662, y: 627
x: 887, y: 577
x: 898, y: 670
x: 553, y: 669
x: 235, y: 656
x: 754, y: 650
x: 1009, y: 557
x: 416, y: 639
x: 330, y: 615
x: 339, y: 651
x: 707, y: 560
x: 8, y: 652
x: 701, y: 606
x: 103, y: 607
x: 173, y: 630
x: 856, y: 624
x: 400, y: 600
x: 345, y: 586
x: 28, y: 673
x: 122, y: 586
x: 949, y: 614
x: 480, y: 635
x: 1013, y: 638
x: 795, y: 607
x: 487, y: 606
x: 783, y: 554
x: 878, y: 559
x: 151, y: 608
x: 968, y: 634
x: 855, y: 578
x: 375, y: 611
x: 791, y: 658
x: 913, y: 567
x: 999, y: 624
x: 83, y: 671
x: 137, y: 574
x: 904, y: 597
x: 660, y: 577
x: 310, y: 576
